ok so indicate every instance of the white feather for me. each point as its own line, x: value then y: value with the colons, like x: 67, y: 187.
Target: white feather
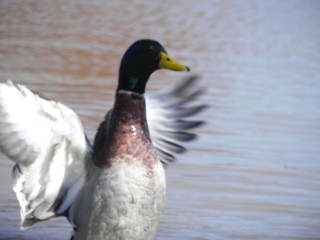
x: 47, y: 141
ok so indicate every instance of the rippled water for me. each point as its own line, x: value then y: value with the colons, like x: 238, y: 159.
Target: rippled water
x: 254, y: 173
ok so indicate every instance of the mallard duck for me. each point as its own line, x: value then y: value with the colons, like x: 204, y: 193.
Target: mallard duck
x: 116, y: 188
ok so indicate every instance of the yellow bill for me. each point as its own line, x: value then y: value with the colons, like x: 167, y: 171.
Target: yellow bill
x: 168, y: 63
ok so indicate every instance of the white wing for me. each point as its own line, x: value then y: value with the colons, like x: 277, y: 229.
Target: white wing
x: 167, y: 116
x: 48, y: 144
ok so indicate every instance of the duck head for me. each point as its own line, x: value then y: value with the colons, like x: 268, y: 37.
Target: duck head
x: 140, y: 60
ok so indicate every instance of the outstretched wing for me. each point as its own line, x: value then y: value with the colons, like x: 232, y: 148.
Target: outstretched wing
x: 167, y: 116
x: 48, y: 144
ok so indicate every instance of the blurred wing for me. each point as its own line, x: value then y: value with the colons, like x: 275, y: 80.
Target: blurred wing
x: 48, y: 144
x: 167, y: 116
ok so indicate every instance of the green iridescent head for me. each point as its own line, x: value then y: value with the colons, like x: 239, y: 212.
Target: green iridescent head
x: 140, y: 60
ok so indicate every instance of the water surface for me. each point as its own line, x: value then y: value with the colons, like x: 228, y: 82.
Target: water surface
x: 254, y: 173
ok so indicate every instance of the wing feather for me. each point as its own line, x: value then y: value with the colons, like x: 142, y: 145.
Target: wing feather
x: 167, y: 115
x: 47, y: 142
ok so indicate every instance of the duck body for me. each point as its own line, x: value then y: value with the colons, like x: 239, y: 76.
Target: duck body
x: 128, y: 188
x: 125, y: 203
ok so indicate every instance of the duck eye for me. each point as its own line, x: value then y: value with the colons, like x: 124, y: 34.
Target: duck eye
x: 168, y: 59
